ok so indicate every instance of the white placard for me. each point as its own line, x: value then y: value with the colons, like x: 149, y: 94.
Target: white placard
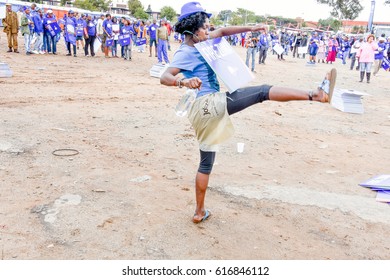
x: 278, y: 49
x: 225, y: 62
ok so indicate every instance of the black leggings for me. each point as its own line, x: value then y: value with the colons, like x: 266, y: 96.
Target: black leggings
x: 236, y: 102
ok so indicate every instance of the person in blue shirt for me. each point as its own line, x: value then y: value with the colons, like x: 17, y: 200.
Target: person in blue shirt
x: 107, y: 33
x: 38, y: 31
x: 89, y: 35
x: 51, y: 37
x: 210, y: 113
x: 313, y: 50
x: 127, y: 29
x: 80, y: 21
x: 262, y: 46
x: 152, y: 34
x: 70, y: 33
x: 345, y: 48
x: 379, y: 55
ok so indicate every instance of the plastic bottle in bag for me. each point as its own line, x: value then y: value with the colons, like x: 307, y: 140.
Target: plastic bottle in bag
x: 186, y: 102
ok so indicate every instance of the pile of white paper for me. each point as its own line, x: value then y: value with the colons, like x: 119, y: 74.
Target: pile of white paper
x: 5, y: 71
x: 348, y: 100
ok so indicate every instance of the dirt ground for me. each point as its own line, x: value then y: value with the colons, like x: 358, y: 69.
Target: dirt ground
x: 129, y: 192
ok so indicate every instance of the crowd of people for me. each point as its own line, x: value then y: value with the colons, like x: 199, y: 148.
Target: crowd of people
x: 365, y: 52
x: 85, y: 33
x: 116, y: 37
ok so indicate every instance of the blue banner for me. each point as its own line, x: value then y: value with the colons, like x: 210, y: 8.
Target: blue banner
x: 386, y: 64
x: 124, y: 40
x: 140, y: 41
x: 54, y: 28
x: 79, y: 31
x: 71, y: 38
x: 109, y: 42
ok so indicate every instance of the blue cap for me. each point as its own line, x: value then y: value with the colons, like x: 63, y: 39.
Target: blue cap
x: 191, y: 8
x: 70, y: 12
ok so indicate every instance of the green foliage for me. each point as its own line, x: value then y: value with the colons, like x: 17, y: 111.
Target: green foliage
x: 235, y: 19
x: 135, y: 5
x: 224, y: 15
x: 92, y: 5
x: 242, y: 16
x: 245, y: 15
x: 63, y: 2
x: 332, y: 22
x: 358, y: 29
x: 216, y: 21
x: 280, y: 21
x: 259, y: 19
x: 344, y: 9
x: 168, y: 12
x: 140, y: 13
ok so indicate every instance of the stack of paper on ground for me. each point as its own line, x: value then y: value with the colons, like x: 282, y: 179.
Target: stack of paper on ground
x: 5, y: 71
x: 158, y: 69
x: 381, y: 184
x: 348, y: 100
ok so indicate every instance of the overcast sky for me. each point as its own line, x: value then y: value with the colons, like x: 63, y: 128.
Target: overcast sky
x: 308, y: 9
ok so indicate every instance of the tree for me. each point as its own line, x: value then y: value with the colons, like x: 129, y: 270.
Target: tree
x: 358, y: 29
x: 224, y: 15
x: 343, y: 9
x: 92, y: 5
x: 216, y: 21
x: 246, y: 15
x: 235, y: 19
x: 140, y: 13
x: 134, y: 5
x: 332, y: 22
x: 168, y: 12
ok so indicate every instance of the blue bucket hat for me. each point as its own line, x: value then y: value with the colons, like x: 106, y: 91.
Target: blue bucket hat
x: 191, y: 8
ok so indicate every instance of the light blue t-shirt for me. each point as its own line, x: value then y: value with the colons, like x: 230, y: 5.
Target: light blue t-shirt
x: 192, y: 64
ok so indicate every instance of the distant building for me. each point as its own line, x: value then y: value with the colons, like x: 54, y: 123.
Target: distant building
x: 351, y: 26
x: 119, y: 7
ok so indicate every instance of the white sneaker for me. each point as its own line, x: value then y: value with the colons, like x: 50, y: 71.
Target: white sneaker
x: 41, y: 52
x: 35, y: 52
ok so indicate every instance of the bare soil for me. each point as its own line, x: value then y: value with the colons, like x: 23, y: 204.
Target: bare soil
x: 129, y: 192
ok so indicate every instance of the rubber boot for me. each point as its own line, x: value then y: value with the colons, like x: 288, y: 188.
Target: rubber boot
x: 361, y: 76
x: 368, y: 77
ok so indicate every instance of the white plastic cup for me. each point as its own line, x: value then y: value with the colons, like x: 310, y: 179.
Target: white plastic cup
x: 240, y: 147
